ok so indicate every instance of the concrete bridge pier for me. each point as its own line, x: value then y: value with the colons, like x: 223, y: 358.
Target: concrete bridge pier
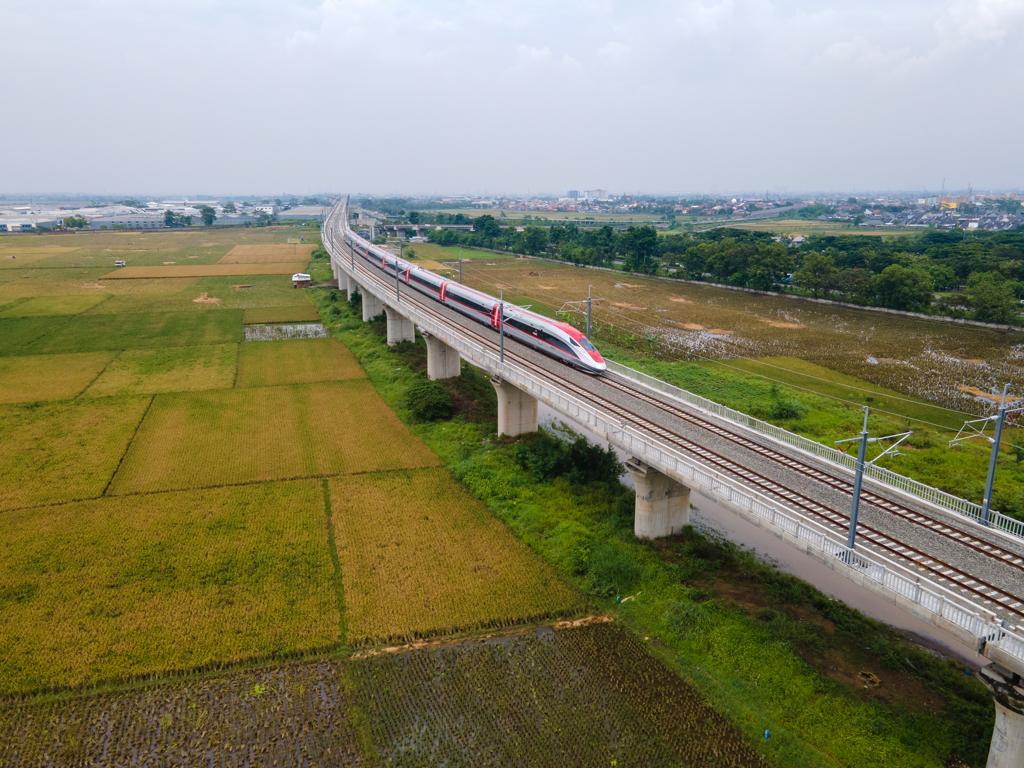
x: 351, y: 287
x: 1007, y: 747
x: 372, y: 306
x: 443, y: 362
x: 342, y: 278
x: 517, y: 411
x: 662, y: 504
x: 400, y: 328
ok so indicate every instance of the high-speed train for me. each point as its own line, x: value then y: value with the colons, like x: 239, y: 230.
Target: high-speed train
x: 558, y: 340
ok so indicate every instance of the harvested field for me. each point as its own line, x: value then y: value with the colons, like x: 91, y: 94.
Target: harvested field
x: 54, y: 305
x: 31, y: 378
x: 115, y: 588
x: 171, y: 369
x: 299, y: 313
x: 298, y: 361
x: 266, y: 433
x: 63, y: 451
x: 137, y: 330
x: 206, y: 270
x: 929, y: 359
x: 295, y: 714
x: 420, y: 556
x: 591, y: 696
x: 269, y: 254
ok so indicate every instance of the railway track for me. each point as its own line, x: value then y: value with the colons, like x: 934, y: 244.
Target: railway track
x: 939, y: 527
x: 989, y: 594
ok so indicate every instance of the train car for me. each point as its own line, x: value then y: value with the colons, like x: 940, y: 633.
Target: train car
x: 551, y: 337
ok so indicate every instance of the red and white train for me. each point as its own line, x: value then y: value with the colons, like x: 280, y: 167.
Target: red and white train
x: 558, y: 340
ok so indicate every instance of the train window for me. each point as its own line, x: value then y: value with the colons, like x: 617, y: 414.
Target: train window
x: 469, y: 302
x: 585, y: 343
x: 519, y: 325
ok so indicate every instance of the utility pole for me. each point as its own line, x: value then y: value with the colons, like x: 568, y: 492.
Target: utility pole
x: 858, y: 479
x: 460, y: 269
x: 589, y: 306
x: 986, y: 502
x: 501, y: 328
x: 970, y: 429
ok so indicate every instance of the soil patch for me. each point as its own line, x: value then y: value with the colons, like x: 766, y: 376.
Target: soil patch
x: 782, y: 324
x: 205, y: 298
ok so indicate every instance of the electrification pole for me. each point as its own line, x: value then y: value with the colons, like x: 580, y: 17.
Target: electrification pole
x: 460, y: 269
x: 862, y: 449
x: 589, y: 306
x: 401, y: 249
x: 986, y: 502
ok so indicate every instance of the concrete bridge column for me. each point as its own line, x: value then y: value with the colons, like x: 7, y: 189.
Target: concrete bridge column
x: 342, y: 278
x: 400, y: 328
x: 443, y: 362
x: 517, y: 411
x: 662, y: 504
x: 372, y: 306
x: 351, y: 287
x: 1007, y: 747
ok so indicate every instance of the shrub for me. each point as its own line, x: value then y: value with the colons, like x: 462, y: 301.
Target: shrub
x: 547, y: 456
x: 429, y: 401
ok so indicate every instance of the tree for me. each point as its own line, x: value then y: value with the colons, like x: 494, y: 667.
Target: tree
x: 640, y: 245
x: 229, y: 207
x: 535, y: 240
x: 486, y: 227
x: 993, y: 298
x: 767, y: 265
x: 208, y: 215
x: 818, y: 274
x: 170, y: 220
x: 906, y: 288
x: 76, y: 222
x: 414, y: 217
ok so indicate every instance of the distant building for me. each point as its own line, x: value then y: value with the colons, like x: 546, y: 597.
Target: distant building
x: 573, y: 194
x: 128, y: 221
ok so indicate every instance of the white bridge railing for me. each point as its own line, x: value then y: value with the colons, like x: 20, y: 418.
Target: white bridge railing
x: 887, y: 477
x: 929, y: 600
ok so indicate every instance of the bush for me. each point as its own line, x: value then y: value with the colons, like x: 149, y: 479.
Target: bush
x: 547, y: 456
x: 429, y: 401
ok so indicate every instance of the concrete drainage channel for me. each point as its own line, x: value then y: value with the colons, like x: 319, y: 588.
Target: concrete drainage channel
x: 279, y: 331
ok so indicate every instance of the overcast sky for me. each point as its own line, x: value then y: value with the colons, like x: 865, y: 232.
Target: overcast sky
x: 425, y: 96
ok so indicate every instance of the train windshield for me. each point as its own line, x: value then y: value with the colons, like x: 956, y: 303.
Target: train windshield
x: 585, y: 343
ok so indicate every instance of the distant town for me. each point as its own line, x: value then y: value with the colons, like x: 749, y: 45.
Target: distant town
x: 969, y: 210
x: 51, y: 214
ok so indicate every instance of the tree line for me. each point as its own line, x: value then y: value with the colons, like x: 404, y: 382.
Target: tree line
x: 977, y: 275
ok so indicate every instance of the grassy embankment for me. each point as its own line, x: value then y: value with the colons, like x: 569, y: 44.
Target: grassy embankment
x: 767, y: 650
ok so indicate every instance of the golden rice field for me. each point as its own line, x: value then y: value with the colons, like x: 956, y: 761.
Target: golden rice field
x: 420, y: 556
x: 120, y: 587
x: 206, y: 270
x: 298, y: 313
x: 264, y: 254
x: 297, y: 361
x: 63, y: 451
x: 72, y: 304
x: 169, y: 369
x: 195, y: 440
x: 33, y: 378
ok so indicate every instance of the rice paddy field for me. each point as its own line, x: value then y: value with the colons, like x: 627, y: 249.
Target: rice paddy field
x: 210, y: 546
x: 199, y: 529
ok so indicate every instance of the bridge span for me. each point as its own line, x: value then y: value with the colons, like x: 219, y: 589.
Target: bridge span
x: 917, y: 547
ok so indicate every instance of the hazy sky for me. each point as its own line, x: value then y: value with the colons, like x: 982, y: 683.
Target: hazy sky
x: 423, y: 96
